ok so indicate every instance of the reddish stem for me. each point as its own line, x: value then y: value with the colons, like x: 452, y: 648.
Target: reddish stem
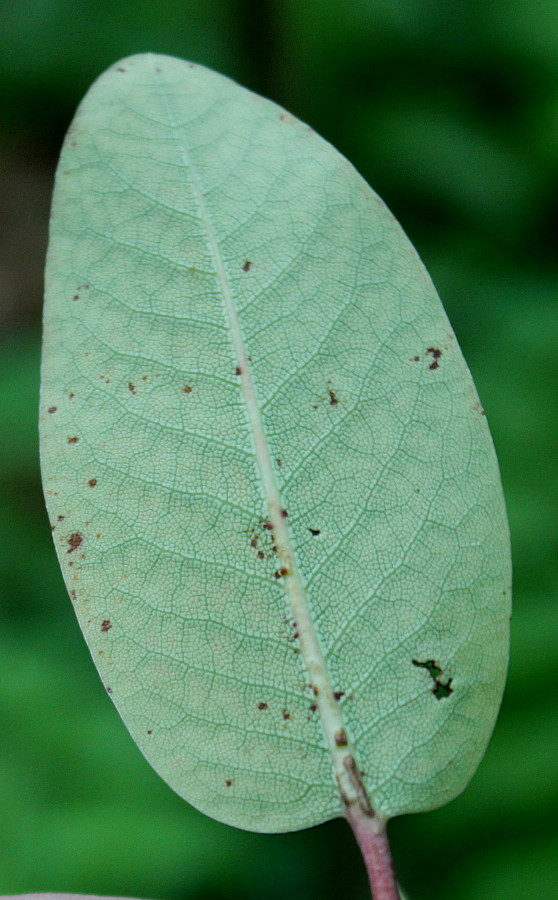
x: 371, y: 835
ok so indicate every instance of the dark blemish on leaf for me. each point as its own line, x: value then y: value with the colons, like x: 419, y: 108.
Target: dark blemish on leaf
x: 106, y: 625
x: 314, y: 531
x: 150, y: 731
x: 92, y: 482
x: 338, y: 694
x: 441, y: 688
x: 340, y: 738
x: 254, y: 541
x: 313, y: 707
x: 72, y: 440
x: 277, y: 575
x: 435, y: 353
x: 238, y: 370
x: 333, y: 401
x: 109, y: 690
x: 416, y: 358
x: 263, y: 706
x: 355, y: 777
x: 76, y: 296
x: 157, y: 69
x: 315, y: 689
x: 261, y: 554
x: 71, y: 395
x: 283, y: 571
x: 479, y: 408
x: 74, y: 541
x: 286, y: 714
x: 282, y: 117
x: 247, y: 266
x: 267, y: 525
x: 229, y: 782
x: 131, y: 387
x: 60, y: 518
x: 52, y: 409
x: 284, y: 514
x: 120, y: 69
x: 187, y: 389
x: 279, y: 461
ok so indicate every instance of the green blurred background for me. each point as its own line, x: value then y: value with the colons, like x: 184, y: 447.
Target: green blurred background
x: 450, y: 110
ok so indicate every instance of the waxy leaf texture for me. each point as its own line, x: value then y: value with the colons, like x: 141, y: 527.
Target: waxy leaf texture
x: 274, y: 495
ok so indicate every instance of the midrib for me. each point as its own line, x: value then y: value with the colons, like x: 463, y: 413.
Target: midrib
x: 328, y: 707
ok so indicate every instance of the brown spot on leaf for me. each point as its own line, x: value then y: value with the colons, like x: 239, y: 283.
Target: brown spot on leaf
x: 74, y: 541
x: 150, y: 731
x: 52, y: 409
x: 333, y: 401
x: 60, y: 518
x: 92, y: 482
x: 131, y: 387
x: 120, y: 69
x: 286, y: 714
x: 283, y: 571
x: 340, y: 738
x: 72, y: 440
x: 262, y: 705
x: 313, y: 707
x: 71, y: 395
x: 314, y: 531
x: 187, y: 389
x: 238, y: 370
x: 106, y: 625
x: 284, y: 514
x: 247, y: 266
x: 229, y: 782
x: 435, y: 353
x: 279, y: 461
x: 338, y: 694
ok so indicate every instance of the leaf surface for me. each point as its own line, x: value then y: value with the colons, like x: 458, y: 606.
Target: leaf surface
x: 274, y: 495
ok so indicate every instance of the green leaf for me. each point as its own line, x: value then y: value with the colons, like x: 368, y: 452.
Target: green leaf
x: 274, y: 495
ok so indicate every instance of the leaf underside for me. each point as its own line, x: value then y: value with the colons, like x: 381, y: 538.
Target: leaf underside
x: 274, y: 495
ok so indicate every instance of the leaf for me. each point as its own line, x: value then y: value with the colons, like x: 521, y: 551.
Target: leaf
x: 273, y: 492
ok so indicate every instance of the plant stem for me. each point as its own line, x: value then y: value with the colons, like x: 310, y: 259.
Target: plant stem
x: 371, y: 836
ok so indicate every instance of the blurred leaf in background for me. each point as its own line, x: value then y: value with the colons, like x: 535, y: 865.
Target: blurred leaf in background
x: 450, y: 111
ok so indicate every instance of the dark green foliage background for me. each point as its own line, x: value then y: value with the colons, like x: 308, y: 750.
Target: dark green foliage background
x: 450, y: 109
